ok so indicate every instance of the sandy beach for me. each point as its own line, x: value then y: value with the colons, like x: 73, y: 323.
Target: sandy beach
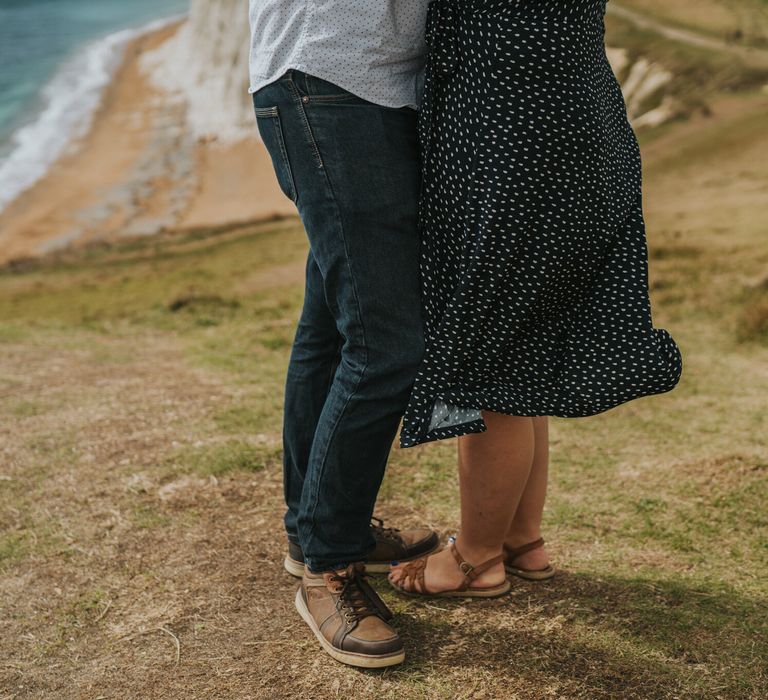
x: 140, y: 170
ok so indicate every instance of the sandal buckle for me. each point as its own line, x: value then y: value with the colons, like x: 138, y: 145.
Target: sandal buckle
x: 466, y: 568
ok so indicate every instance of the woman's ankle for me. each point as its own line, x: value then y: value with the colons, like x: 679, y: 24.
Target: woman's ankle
x: 519, y: 536
x: 477, y: 553
x: 536, y: 558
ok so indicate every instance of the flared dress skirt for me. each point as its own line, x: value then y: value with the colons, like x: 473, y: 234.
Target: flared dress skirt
x: 534, y: 263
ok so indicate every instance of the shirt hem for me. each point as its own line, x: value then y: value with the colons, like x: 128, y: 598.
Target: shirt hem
x: 260, y: 81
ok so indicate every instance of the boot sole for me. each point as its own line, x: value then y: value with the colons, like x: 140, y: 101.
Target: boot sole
x: 296, y: 568
x: 345, y: 657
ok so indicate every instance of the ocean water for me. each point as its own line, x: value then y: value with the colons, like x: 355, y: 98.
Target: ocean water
x: 56, y: 56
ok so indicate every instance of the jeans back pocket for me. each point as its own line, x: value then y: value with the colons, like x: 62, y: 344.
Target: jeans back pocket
x: 271, y: 131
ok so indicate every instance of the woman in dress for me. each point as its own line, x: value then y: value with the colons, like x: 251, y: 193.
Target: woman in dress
x: 534, y: 265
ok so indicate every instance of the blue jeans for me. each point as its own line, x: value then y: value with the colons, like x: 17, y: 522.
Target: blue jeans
x: 353, y: 170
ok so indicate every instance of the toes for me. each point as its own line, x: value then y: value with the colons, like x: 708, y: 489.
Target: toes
x: 399, y: 579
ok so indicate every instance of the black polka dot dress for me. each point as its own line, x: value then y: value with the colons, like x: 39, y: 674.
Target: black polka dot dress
x: 534, y: 261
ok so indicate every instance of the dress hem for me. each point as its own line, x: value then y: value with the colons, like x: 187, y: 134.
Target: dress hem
x: 409, y: 439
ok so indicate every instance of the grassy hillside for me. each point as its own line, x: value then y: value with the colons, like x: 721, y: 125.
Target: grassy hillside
x: 140, y: 496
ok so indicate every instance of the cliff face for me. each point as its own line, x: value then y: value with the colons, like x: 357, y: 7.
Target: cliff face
x: 646, y: 88
x: 206, y: 64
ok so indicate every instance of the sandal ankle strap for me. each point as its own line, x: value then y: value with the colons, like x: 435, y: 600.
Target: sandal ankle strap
x: 470, y: 571
x: 513, y: 552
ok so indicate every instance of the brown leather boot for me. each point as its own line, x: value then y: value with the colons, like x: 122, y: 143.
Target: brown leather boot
x: 391, y: 545
x: 348, y: 618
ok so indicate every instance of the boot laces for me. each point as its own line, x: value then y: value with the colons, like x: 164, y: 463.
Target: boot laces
x: 377, y: 525
x: 357, y: 599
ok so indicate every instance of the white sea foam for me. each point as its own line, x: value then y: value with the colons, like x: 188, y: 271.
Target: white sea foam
x: 69, y: 101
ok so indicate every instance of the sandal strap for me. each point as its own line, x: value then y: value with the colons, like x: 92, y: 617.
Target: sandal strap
x: 513, y: 552
x: 470, y: 571
x: 414, y: 571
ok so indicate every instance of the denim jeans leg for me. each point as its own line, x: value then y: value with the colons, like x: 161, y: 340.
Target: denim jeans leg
x: 354, y: 169
x: 314, y: 359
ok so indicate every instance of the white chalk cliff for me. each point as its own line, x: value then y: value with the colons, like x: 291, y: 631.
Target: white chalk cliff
x: 646, y: 89
x: 206, y: 64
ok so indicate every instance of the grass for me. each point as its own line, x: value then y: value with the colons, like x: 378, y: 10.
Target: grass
x: 160, y: 287
x: 140, y: 485
x: 13, y: 548
x: 753, y: 324
x: 230, y: 456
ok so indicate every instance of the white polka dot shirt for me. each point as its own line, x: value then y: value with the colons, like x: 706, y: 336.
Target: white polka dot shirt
x: 372, y: 48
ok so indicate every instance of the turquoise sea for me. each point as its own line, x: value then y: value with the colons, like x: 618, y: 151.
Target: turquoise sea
x: 56, y: 56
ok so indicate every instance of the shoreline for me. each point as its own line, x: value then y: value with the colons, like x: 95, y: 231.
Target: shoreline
x: 66, y: 103
x: 139, y: 170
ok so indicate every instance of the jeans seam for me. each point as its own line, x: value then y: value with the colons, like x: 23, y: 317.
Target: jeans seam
x: 324, y: 462
x: 332, y: 98
x: 334, y: 366
x: 319, y: 97
x: 362, y: 372
x: 305, y: 123
x: 277, y: 125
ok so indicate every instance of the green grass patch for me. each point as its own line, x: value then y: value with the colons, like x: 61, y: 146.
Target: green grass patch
x: 753, y: 322
x: 245, y: 419
x: 14, y: 546
x: 178, y: 287
x: 146, y: 517
x: 26, y: 409
x: 13, y: 333
x: 226, y: 457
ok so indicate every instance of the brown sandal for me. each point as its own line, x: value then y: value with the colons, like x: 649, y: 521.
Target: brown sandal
x: 528, y: 574
x: 415, y: 572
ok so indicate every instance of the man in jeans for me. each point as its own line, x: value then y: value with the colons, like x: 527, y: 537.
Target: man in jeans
x: 335, y: 84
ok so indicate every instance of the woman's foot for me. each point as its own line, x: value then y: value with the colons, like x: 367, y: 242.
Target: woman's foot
x: 441, y: 572
x: 534, y: 560
x: 534, y: 568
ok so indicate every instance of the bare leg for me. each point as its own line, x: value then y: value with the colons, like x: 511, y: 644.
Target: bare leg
x: 526, y: 525
x: 494, y: 468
